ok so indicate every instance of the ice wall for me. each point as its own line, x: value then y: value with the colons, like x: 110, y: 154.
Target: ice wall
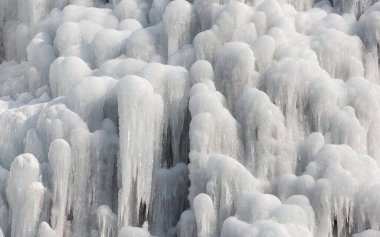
x: 203, y: 118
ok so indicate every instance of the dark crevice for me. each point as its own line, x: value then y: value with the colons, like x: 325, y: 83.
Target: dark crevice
x: 335, y: 228
x: 115, y: 187
x: 2, y: 53
x: 175, y: 200
x: 70, y: 216
x: 142, y: 213
x: 167, y: 150
x: 184, y: 144
x: 378, y: 53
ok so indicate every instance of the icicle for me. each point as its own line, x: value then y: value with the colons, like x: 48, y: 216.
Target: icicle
x: 25, y: 195
x: 107, y: 222
x: 60, y: 168
x: 140, y: 113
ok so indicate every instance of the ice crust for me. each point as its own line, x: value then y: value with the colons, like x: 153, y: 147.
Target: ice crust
x: 199, y: 118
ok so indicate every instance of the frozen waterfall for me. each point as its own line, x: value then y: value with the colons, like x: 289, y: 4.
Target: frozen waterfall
x: 189, y: 118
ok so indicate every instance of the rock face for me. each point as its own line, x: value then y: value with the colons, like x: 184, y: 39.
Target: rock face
x: 199, y: 118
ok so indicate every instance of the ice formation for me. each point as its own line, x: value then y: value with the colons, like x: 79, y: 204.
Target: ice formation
x: 189, y: 118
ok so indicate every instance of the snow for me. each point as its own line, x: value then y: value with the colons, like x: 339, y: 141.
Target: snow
x: 204, y: 118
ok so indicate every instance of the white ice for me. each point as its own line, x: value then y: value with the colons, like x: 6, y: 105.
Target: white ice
x: 198, y: 118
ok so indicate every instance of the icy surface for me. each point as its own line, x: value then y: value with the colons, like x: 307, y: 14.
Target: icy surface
x: 198, y: 118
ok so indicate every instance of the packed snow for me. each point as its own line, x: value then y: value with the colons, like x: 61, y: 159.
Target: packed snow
x: 198, y: 118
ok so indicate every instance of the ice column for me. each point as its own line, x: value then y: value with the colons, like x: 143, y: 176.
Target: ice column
x: 140, y: 113
x: 25, y: 195
x: 60, y: 167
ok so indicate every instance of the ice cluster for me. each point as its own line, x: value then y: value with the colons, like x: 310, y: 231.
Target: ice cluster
x: 198, y: 118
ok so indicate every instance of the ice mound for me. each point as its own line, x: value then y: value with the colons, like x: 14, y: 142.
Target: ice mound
x: 201, y: 118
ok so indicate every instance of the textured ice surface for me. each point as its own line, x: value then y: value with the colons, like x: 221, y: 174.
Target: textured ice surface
x: 198, y: 118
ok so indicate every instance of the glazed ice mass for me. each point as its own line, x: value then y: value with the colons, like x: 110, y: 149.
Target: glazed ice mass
x: 203, y: 118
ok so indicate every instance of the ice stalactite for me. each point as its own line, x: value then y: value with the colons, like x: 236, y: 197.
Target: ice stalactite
x: 66, y: 72
x: 24, y: 188
x: 140, y: 109
x: 199, y: 118
x: 180, y: 24
x: 268, y: 153
x: 60, y: 165
x: 234, y: 71
x: 107, y: 222
x: 368, y: 31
